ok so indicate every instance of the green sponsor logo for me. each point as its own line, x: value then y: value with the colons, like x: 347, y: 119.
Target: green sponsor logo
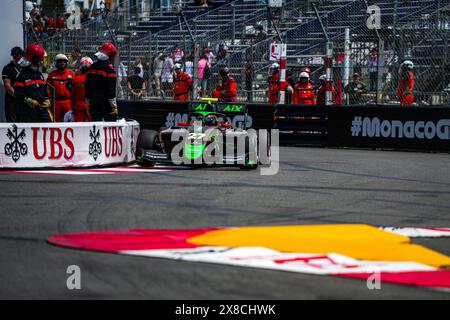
x: 233, y: 108
x: 200, y: 107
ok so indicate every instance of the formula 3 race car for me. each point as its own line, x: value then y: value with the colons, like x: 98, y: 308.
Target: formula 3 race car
x: 206, y: 139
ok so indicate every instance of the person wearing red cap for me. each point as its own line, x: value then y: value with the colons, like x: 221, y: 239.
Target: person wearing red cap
x: 227, y: 88
x: 33, y: 104
x: 60, y: 82
x: 101, y: 85
x: 182, y: 84
x: 79, y: 104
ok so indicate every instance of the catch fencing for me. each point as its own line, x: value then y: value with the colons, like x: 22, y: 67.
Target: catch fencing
x: 368, y: 37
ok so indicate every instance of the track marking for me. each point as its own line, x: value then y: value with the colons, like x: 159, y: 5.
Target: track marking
x: 352, y: 251
x: 132, y: 169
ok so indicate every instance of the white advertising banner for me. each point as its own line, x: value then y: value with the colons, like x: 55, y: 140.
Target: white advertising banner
x: 58, y: 145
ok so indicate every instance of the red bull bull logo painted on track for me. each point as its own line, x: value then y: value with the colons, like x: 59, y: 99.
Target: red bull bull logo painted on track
x: 350, y: 250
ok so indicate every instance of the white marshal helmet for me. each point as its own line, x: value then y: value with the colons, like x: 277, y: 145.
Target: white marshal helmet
x: 61, y: 56
x: 177, y: 66
x: 323, y: 77
x: 304, y: 75
x: 275, y: 66
x: 407, y: 64
x: 85, y: 63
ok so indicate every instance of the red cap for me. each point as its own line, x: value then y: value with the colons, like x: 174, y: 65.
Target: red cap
x: 110, y: 50
x: 34, y: 53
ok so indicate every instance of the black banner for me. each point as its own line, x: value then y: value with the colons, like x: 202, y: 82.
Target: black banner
x: 416, y: 128
x: 157, y: 114
x: 389, y: 127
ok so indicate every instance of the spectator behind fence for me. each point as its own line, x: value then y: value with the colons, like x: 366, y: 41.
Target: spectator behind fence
x: 189, y: 66
x: 50, y: 26
x: 138, y: 64
x: 157, y: 72
x: 355, y: 90
x: 60, y: 23
x: 222, y: 53
x: 147, y: 72
x: 136, y: 84
x: 178, y: 54
x: 387, y: 85
x: 34, y: 12
x: 122, y: 77
x: 209, y: 55
x: 373, y: 69
x: 261, y: 36
x: 203, y: 74
x: 39, y: 28
x: 167, y: 76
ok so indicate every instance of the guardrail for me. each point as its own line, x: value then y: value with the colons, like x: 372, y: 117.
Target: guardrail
x: 385, y: 127
x: 57, y: 145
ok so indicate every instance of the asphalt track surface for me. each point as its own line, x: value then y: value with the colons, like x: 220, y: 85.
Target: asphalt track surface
x: 313, y: 186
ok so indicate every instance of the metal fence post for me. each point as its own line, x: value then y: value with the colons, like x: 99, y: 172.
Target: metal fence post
x: 195, y: 71
x: 328, y: 66
x: 129, y: 50
x: 283, y: 72
x: 347, y: 60
x: 234, y: 26
x: 380, y: 68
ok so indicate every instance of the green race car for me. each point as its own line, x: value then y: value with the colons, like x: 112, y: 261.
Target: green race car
x: 206, y: 139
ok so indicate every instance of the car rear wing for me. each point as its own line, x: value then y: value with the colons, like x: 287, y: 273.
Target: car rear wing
x: 228, y: 108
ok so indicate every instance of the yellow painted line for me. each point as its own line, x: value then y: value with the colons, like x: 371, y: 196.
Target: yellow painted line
x: 362, y: 242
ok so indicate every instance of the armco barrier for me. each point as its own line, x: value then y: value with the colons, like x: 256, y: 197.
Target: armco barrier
x: 389, y: 128
x: 58, y: 145
x: 421, y: 128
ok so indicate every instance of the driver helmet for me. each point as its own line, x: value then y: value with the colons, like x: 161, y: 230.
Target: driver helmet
x: 211, y: 120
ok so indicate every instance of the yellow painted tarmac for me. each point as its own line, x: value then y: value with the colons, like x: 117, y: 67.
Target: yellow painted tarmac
x: 362, y: 242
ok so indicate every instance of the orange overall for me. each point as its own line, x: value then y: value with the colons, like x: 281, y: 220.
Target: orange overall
x: 321, y: 95
x: 59, y: 90
x: 182, y: 87
x: 79, y: 104
x: 304, y: 94
x: 405, y: 89
x: 227, y: 91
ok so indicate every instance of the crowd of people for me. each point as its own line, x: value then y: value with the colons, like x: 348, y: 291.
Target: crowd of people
x: 85, y: 90
x: 305, y: 92
x: 161, y: 78
x: 45, y: 26
x: 89, y: 94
